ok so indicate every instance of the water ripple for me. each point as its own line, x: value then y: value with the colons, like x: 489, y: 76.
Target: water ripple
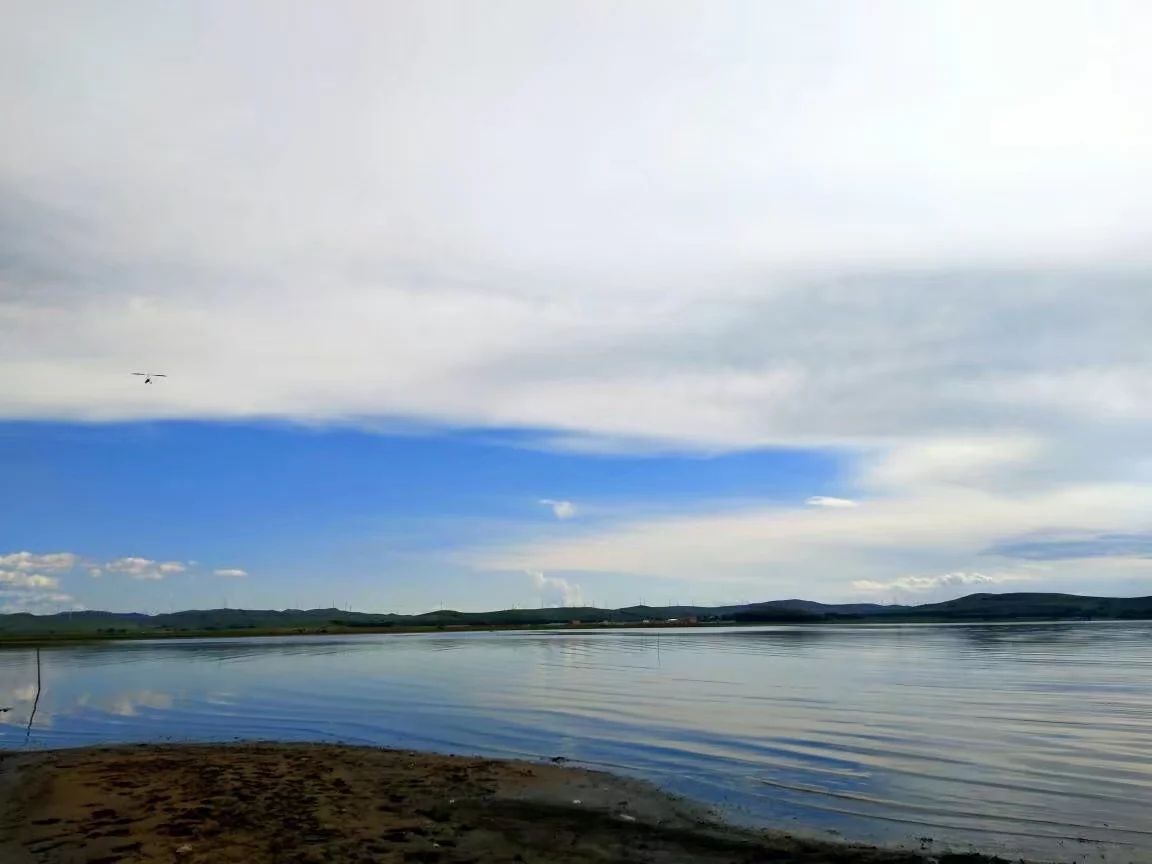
x: 1026, y: 739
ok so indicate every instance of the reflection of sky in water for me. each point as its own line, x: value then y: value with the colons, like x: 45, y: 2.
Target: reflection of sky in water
x: 1021, y: 738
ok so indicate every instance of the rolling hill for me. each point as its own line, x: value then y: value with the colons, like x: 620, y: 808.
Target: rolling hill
x: 974, y: 607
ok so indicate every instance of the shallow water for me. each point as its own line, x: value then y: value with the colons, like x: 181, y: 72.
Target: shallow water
x: 1029, y: 740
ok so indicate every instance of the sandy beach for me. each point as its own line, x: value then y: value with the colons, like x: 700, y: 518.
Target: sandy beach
x: 313, y: 804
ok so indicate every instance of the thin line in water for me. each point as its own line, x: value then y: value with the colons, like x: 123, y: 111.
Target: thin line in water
x: 35, y: 702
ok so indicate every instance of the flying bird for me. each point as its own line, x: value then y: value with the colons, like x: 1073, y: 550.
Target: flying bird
x: 148, y: 376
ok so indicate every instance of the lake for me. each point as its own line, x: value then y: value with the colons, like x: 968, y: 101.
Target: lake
x: 1029, y: 740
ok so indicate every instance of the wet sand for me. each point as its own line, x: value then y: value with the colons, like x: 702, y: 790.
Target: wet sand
x: 322, y: 804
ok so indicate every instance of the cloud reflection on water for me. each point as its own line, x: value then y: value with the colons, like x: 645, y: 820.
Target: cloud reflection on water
x: 1012, y: 735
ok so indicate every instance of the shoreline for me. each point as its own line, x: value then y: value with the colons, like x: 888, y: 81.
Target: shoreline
x: 32, y: 640
x: 273, y: 803
x: 24, y: 640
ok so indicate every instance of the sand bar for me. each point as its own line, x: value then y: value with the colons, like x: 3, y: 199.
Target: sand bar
x: 316, y: 804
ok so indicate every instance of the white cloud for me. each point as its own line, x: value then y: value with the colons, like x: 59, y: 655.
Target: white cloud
x: 651, y: 247
x: 556, y: 591
x: 947, y: 580
x: 560, y: 509
x: 947, y: 527
x: 22, y: 587
x: 654, y: 250
x: 953, y: 461
x: 828, y: 501
x: 145, y: 568
x: 22, y: 590
x: 36, y: 602
x: 21, y: 579
x: 27, y: 561
x: 33, y: 566
x: 232, y: 573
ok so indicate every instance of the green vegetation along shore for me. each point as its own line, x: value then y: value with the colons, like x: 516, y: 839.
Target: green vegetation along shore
x: 24, y: 627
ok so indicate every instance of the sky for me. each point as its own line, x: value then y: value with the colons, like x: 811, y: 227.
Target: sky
x: 481, y: 305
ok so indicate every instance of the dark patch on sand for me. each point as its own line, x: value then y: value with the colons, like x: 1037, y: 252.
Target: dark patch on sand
x: 320, y: 804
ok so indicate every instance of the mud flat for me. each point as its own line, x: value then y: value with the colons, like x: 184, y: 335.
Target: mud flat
x: 324, y: 804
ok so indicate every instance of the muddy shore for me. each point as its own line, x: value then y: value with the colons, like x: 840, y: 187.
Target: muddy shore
x: 323, y: 804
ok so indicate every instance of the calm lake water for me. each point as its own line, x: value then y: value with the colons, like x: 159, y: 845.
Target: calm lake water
x: 1021, y: 739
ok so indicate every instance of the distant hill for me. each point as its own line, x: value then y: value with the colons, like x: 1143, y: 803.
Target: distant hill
x: 775, y: 610
x: 974, y: 607
x: 834, y: 609
x: 1032, y: 605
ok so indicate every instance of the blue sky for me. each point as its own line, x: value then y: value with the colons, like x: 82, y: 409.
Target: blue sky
x: 316, y: 517
x: 573, y: 301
